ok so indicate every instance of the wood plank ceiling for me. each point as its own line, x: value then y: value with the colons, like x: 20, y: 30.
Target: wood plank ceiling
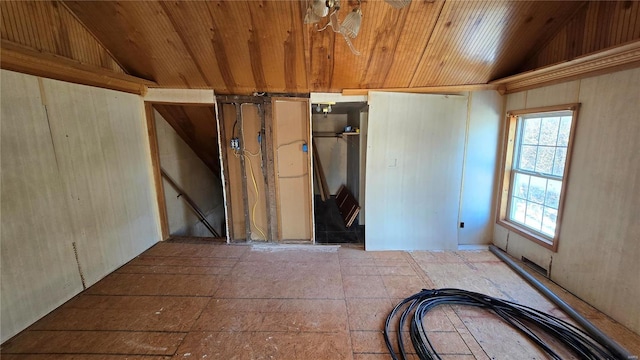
x: 49, y: 27
x: 245, y: 46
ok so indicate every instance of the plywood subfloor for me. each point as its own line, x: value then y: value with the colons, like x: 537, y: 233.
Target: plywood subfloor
x: 193, y: 300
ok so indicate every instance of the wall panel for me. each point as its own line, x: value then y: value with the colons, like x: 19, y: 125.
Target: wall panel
x: 291, y: 123
x: 415, y: 151
x: 102, y: 149
x: 39, y: 270
x: 480, y: 165
x: 75, y: 173
x: 598, y: 245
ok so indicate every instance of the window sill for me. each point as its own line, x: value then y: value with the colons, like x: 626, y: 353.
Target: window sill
x: 530, y: 235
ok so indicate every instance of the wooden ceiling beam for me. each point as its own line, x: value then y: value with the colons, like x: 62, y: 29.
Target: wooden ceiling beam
x: 180, y: 96
x: 427, y: 89
x: 22, y: 59
x: 614, y: 59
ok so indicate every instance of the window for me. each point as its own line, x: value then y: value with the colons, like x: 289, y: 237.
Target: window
x: 535, y: 171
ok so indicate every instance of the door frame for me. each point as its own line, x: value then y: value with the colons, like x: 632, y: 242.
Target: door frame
x: 179, y: 97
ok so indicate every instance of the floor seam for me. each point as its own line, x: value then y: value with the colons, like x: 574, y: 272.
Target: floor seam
x: 204, y: 308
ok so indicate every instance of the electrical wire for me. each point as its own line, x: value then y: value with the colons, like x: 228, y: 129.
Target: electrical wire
x: 253, y: 177
x: 291, y: 143
x: 255, y: 203
x: 523, y: 318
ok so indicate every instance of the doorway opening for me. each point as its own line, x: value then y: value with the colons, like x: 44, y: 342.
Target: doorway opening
x: 186, y: 146
x: 339, y: 144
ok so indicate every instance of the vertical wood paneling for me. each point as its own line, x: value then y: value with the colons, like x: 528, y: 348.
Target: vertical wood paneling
x: 49, y: 27
x: 39, y: 270
x: 101, y: 147
x: 597, y: 26
x: 598, y: 243
x: 479, y: 175
x: 75, y: 173
x: 414, y: 171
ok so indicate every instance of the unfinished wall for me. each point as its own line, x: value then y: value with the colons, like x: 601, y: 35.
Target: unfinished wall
x: 194, y: 177
x: 251, y: 142
x: 75, y: 171
x: 599, y: 245
x: 245, y: 171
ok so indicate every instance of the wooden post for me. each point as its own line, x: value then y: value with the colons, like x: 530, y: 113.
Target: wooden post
x: 157, y: 172
x: 225, y: 167
x: 272, y: 210
x: 245, y: 192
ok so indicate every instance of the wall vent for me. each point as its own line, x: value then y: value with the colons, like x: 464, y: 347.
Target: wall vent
x: 537, y: 268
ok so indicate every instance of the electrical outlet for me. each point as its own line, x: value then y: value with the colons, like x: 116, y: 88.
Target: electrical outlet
x: 235, y: 143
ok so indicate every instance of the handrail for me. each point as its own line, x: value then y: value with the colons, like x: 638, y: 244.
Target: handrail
x: 190, y: 202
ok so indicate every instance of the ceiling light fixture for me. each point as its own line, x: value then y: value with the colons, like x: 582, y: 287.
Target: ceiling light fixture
x: 320, y: 9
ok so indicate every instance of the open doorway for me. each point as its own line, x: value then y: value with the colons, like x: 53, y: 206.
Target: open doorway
x: 187, y: 152
x: 339, y: 144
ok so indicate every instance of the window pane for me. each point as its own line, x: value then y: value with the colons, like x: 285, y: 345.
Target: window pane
x: 534, y: 216
x: 540, y: 155
x: 549, y: 131
x: 518, y: 208
x: 549, y: 221
x: 521, y: 185
x: 537, y: 190
x: 563, y: 133
x: 528, y: 157
x: 553, y: 194
x: 558, y: 163
x: 530, y: 131
x: 544, y: 161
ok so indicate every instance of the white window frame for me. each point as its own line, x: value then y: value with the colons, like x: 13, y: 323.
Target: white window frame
x: 513, y: 133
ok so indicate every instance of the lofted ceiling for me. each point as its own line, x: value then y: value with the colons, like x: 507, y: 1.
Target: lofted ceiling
x: 246, y: 46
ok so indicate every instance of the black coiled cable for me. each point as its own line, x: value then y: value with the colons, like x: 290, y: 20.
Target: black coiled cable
x: 522, y: 318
